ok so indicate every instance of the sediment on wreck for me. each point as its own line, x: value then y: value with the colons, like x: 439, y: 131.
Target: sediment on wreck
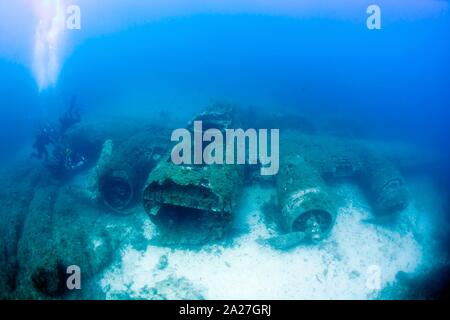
x: 63, y: 228
x: 304, y: 199
x: 193, y: 204
x: 121, y: 179
x: 39, y: 275
x: 342, y: 158
x: 88, y: 137
x: 383, y: 184
x: 120, y: 155
x: 309, y: 163
x: 16, y: 193
x: 50, y: 224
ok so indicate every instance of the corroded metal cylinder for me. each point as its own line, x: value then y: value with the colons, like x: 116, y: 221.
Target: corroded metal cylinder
x: 304, y: 200
x: 194, y: 203
x: 121, y: 179
x: 336, y: 158
x: 117, y: 188
x: 87, y: 138
x: 383, y: 183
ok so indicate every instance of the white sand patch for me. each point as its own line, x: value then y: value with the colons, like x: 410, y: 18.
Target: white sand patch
x: 341, y: 267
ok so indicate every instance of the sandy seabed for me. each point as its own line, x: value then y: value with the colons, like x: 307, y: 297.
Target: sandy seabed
x: 356, y: 261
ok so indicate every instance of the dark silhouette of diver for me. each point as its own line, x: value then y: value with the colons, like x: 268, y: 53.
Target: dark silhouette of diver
x: 48, y: 136
x: 42, y: 140
x: 70, y: 117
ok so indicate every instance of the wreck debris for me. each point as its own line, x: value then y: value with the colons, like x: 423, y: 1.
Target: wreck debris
x: 122, y: 179
x: 340, y: 158
x: 304, y: 199
x: 383, y: 184
x: 120, y: 155
x: 195, y: 202
x: 309, y: 163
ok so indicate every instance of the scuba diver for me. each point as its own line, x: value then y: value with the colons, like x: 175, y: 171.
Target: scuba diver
x: 73, y: 159
x: 42, y: 140
x: 70, y: 117
x: 63, y: 158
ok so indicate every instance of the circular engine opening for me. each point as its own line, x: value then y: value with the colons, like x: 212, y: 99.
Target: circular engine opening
x: 315, y: 223
x: 116, y: 191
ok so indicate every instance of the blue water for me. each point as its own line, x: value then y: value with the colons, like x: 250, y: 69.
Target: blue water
x: 393, y: 80
x: 393, y: 83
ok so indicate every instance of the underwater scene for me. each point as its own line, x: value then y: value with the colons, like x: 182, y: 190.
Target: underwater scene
x: 224, y: 149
